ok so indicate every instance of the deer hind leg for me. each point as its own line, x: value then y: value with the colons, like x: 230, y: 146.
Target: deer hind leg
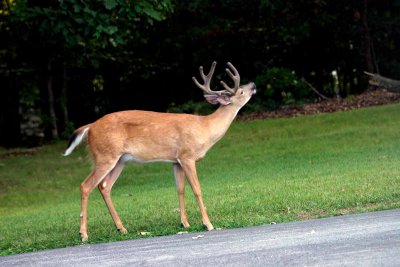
x: 94, y: 178
x: 105, y: 187
x: 189, y: 167
x: 180, y: 186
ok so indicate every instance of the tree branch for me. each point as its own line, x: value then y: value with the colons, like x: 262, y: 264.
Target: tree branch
x: 313, y: 88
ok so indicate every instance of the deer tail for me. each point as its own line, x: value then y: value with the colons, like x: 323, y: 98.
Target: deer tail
x: 76, y: 138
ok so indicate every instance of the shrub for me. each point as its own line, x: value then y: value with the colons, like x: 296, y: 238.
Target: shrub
x: 280, y: 86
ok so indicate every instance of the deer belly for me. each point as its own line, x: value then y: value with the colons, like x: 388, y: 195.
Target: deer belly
x: 130, y: 157
x: 145, y: 150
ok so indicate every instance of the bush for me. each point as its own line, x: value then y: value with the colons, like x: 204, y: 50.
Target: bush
x: 280, y: 86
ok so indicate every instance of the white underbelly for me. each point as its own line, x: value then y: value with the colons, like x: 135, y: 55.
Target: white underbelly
x: 130, y: 157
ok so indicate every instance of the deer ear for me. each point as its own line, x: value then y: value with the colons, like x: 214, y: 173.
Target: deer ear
x: 221, y: 99
x: 212, y: 99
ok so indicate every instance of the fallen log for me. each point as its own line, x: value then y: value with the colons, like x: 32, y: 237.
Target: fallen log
x: 383, y: 82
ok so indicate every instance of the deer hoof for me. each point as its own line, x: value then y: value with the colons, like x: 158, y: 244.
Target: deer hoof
x: 209, y: 226
x: 84, y: 237
x: 123, y: 230
x: 185, y: 224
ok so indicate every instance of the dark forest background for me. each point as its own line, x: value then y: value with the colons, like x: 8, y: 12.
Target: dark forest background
x: 66, y: 63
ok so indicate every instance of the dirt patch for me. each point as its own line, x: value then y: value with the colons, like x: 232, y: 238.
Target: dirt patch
x: 366, y: 99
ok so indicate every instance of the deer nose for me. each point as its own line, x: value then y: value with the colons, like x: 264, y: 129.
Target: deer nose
x: 253, y: 87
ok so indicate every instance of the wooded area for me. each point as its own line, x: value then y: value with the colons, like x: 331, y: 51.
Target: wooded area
x: 66, y: 63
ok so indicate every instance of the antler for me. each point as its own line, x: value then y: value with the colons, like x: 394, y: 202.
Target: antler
x: 207, y: 81
x: 235, y: 77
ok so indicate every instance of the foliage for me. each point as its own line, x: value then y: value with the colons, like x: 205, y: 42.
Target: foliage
x: 281, y: 86
x: 261, y: 172
x: 45, y: 39
x: 146, y: 51
x: 89, y: 24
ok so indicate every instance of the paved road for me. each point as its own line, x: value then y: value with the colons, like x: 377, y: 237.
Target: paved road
x: 370, y: 239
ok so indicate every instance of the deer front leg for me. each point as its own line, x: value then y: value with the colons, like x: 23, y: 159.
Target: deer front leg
x: 189, y: 167
x: 180, y: 186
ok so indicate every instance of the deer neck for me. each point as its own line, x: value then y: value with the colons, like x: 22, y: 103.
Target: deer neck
x: 220, y: 120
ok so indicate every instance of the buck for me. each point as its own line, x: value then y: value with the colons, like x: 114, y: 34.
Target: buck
x: 145, y: 136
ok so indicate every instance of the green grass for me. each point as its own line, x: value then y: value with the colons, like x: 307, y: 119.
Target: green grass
x: 261, y: 172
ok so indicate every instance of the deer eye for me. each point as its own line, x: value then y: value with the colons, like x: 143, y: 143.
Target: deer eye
x: 241, y: 92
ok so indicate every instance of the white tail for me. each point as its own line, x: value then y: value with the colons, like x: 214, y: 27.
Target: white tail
x: 144, y: 136
x: 76, y: 139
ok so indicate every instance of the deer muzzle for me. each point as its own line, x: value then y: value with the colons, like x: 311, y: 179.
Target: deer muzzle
x: 253, y: 88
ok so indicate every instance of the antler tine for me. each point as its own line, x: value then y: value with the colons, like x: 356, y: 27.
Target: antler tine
x: 207, y: 81
x: 234, y: 76
x: 206, y: 78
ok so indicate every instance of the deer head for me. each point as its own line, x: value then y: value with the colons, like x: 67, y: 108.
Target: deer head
x: 237, y: 95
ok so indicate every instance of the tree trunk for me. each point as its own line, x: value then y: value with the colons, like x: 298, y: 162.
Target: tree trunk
x: 52, y: 112
x: 64, y: 97
x: 367, y: 39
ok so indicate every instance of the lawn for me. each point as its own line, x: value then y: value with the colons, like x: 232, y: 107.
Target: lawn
x: 263, y: 171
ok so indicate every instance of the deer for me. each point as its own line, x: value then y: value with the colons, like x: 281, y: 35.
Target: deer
x: 147, y: 136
